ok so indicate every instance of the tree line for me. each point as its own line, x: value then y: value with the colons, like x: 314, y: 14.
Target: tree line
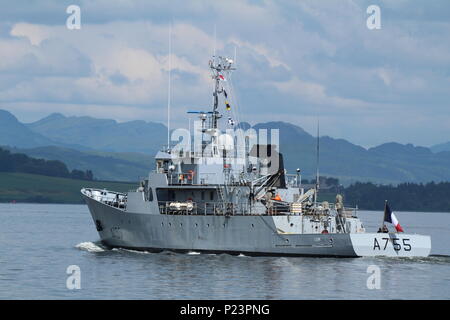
x: 405, y: 196
x: 18, y: 162
x: 432, y: 196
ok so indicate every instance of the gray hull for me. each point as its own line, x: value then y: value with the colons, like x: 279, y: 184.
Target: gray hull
x: 250, y: 235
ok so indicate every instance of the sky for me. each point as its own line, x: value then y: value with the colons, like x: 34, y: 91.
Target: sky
x: 296, y: 60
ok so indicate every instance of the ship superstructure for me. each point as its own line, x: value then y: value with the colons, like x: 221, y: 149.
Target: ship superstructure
x: 228, y: 191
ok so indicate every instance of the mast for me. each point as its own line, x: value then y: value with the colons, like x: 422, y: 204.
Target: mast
x: 169, y: 87
x: 317, y: 165
x: 220, y: 66
x: 216, y: 115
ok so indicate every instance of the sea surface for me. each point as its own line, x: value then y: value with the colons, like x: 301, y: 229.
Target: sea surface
x: 38, y: 243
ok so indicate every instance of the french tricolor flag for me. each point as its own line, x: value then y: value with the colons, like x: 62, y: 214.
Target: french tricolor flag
x: 390, y: 217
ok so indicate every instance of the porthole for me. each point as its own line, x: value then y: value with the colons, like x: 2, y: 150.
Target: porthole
x: 207, y: 225
x: 196, y: 225
x: 287, y: 240
x: 170, y: 224
x: 162, y: 223
x: 224, y: 225
x: 292, y: 224
x: 253, y: 225
x: 181, y: 224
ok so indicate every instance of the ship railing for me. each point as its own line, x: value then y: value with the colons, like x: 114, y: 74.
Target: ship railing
x: 280, y: 210
x: 191, y: 178
x: 222, y: 208
x: 292, y: 180
x: 347, y: 212
x: 350, y: 212
x: 323, y: 208
x: 237, y: 153
x: 111, y: 198
x: 202, y: 208
x: 214, y: 208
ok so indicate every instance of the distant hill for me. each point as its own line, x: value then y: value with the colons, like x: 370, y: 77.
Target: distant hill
x: 102, y: 134
x: 105, y: 165
x: 405, y: 196
x: 19, y: 162
x: 387, y: 163
x: 25, y: 187
x: 442, y: 147
x: 124, y: 151
x: 14, y: 133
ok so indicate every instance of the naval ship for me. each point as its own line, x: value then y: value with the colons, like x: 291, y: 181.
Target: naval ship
x: 222, y: 198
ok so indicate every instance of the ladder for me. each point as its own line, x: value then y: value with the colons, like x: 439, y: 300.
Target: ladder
x: 221, y: 194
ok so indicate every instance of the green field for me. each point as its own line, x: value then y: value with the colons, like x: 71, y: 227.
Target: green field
x: 24, y: 187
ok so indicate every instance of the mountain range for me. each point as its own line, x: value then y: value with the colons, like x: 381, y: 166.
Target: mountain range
x: 124, y: 151
x: 441, y: 147
x: 101, y: 134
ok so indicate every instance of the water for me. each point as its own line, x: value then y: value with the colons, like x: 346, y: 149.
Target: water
x: 39, y: 241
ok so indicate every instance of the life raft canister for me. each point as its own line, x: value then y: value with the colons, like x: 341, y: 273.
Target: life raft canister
x: 277, y: 198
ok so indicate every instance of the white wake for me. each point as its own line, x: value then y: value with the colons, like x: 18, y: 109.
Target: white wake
x: 90, y: 247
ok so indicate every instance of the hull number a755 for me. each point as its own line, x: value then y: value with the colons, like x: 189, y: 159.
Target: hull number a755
x: 397, y: 244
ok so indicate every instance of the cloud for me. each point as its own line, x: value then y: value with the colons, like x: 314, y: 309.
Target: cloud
x: 34, y: 33
x: 294, y: 59
x: 142, y: 70
x: 314, y: 93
